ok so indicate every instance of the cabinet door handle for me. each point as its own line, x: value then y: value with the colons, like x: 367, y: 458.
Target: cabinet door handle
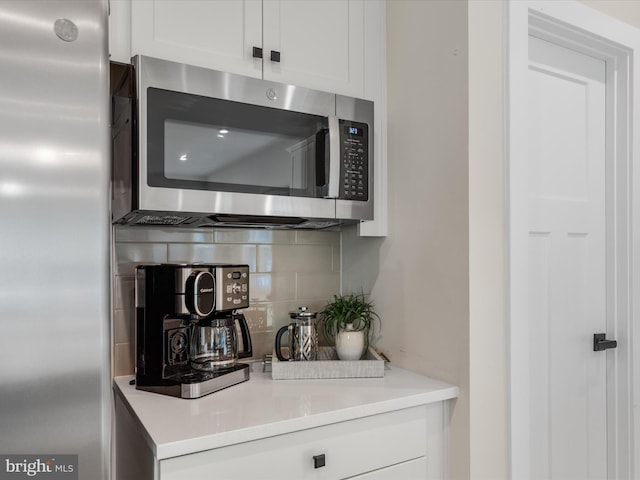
x: 275, y: 56
x: 318, y: 461
x: 257, y: 52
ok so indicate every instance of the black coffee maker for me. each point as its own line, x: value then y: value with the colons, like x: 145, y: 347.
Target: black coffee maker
x: 186, y: 328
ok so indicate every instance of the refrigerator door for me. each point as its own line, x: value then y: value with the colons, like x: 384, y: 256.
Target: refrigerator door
x: 54, y: 238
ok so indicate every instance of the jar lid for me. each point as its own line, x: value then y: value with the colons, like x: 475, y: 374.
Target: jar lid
x: 303, y: 312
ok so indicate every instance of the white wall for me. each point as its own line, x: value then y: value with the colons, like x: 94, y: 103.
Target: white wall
x: 488, y: 332
x: 419, y: 275
x: 626, y: 10
x: 438, y: 279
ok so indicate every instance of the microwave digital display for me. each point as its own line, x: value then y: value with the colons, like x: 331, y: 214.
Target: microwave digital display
x: 355, y: 131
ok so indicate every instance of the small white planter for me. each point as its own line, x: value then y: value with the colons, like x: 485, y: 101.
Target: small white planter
x: 350, y: 343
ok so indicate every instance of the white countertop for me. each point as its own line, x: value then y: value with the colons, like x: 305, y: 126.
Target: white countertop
x: 263, y: 407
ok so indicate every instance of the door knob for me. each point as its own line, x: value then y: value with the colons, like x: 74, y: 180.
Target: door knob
x: 275, y: 56
x: 601, y: 343
x: 257, y: 52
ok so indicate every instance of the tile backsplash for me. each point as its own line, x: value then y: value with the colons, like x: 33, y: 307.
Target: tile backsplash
x: 288, y: 269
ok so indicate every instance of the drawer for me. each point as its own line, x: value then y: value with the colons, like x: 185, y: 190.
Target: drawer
x: 349, y: 448
x: 411, y: 470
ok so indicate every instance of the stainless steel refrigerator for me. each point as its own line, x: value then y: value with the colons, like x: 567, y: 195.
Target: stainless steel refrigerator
x: 54, y: 231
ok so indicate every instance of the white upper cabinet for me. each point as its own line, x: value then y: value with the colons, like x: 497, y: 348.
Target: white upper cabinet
x: 216, y: 34
x: 317, y: 44
x: 321, y: 44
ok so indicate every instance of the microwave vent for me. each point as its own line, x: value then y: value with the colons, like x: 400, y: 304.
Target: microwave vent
x: 319, y: 224
x: 259, y: 221
x: 255, y: 220
x: 161, y: 220
x: 196, y: 220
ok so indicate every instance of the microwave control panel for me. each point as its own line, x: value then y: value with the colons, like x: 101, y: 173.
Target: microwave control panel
x: 354, y: 161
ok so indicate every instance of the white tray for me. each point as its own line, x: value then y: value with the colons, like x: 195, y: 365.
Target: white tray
x: 328, y: 366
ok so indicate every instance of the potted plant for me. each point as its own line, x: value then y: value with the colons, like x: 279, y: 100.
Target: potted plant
x: 348, y: 322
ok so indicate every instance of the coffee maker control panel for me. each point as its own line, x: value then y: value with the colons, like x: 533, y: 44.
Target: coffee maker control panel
x: 204, y: 289
x: 232, y: 291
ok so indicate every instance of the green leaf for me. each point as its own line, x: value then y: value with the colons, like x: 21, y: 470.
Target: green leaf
x: 347, y: 309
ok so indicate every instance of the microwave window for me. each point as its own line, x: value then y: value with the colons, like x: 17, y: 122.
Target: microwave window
x: 214, y: 153
x: 214, y: 144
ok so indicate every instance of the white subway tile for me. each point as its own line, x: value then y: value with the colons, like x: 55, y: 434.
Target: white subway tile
x: 214, y: 253
x: 322, y: 237
x: 255, y: 236
x: 123, y: 326
x: 272, y: 286
x: 317, y: 285
x: 128, y: 255
x: 295, y: 258
x: 124, y: 292
x: 124, y: 359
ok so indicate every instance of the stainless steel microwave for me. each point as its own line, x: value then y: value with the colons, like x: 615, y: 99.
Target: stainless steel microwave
x: 198, y: 147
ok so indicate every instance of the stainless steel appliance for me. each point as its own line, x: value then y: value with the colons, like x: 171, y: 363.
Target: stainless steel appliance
x: 186, y: 334
x: 55, y: 379
x: 212, y: 148
x: 303, y: 336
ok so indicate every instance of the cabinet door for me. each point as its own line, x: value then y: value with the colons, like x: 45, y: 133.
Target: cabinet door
x: 412, y: 469
x: 348, y: 449
x: 217, y: 34
x: 321, y: 44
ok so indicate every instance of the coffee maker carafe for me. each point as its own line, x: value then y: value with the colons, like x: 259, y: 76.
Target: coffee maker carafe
x: 214, y: 342
x: 186, y: 328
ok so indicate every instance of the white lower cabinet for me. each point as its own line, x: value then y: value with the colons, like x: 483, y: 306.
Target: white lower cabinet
x: 404, y: 444
x: 406, y: 470
x: 375, y: 447
x: 394, y: 428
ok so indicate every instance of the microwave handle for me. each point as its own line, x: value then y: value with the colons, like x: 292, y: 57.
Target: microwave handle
x: 321, y: 157
x: 334, y: 157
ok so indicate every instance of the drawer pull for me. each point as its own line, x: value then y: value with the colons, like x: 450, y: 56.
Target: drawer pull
x: 318, y: 461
